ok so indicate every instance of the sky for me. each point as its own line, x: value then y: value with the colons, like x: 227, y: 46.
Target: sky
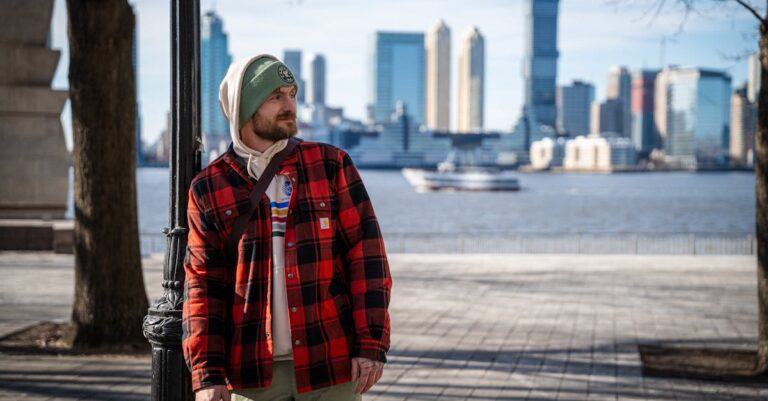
x: 593, y: 35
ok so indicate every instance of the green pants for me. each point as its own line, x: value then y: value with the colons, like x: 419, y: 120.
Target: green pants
x: 283, y: 388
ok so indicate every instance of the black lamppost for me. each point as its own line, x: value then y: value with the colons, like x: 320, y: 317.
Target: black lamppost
x: 162, y: 325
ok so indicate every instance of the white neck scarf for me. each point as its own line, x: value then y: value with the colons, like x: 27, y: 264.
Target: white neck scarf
x: 257, y: 161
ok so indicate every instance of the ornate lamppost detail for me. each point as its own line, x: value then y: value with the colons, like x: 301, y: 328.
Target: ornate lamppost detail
x: 162, y: 325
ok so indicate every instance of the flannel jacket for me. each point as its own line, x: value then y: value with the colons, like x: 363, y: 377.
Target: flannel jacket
x: 337, y: 275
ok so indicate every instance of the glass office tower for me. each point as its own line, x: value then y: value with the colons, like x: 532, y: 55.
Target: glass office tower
x: 398, y: 75
x: 540, y: 65
x: 214, y: 62
x: 698, y: 115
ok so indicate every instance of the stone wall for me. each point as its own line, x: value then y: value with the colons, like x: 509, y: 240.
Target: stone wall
x: 33, y: 155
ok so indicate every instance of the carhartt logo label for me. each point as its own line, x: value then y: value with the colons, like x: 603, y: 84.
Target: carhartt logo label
x: 325, y: 223
x: 285, y: 74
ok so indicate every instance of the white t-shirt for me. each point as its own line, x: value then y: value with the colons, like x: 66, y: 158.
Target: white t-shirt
x: 279, y: 194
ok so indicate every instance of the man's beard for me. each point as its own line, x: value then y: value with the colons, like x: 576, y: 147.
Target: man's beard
x: 270, y: 130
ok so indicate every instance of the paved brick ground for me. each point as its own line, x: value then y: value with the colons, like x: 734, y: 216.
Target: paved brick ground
x: 478, y: 327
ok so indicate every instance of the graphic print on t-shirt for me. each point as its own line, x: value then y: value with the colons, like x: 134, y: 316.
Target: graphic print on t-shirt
x: 279, y: 217
x: 281, y: 196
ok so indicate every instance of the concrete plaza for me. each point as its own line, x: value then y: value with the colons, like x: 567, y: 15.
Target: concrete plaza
x: 476, y: 327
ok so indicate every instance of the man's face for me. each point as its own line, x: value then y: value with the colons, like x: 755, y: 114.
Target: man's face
x: 276, y: 117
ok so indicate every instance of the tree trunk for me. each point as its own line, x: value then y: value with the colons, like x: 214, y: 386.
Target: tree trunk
x: 110, y: 299
x: 761, y: 190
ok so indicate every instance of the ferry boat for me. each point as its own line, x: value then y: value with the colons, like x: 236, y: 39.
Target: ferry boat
x: 458, y: 174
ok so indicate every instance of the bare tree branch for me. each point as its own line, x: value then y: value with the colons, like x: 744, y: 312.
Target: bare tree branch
x: 752, y: 10
x: 650, y: 9
x: 659, y: 8
x: 686, y: 14
x: 735, y: 57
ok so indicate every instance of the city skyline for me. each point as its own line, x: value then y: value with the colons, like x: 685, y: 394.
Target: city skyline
x: 591, y: 40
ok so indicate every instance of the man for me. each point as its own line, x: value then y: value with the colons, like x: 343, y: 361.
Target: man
x: 302, y: 313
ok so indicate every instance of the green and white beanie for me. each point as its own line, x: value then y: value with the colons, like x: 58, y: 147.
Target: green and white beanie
x: 260, y: 79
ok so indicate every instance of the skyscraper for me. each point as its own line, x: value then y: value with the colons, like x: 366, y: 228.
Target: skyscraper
x: 316, y: 84
x: 644, y: 134
x: 471, y: 81
x: 438, y: 49
x: 698, y: 116
x: 214, y: 62
x: 660, y: 104
x: 292, y: 59
x: 594, y: 118
x: 540, y: 65
x: 162, y: 146
x: 607, y: 116
x: 620, y: 87
x: 398, y: 75
x: 743, y: 128
x: 753, y: 79
x: 573, y: 108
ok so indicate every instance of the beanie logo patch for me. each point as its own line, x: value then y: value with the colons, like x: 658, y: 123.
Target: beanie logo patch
x: 285, y: 74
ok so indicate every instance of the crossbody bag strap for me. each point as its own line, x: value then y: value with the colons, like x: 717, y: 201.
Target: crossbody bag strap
x: 238, y: 228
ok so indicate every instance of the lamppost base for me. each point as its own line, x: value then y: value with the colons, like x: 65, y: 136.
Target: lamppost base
x: 171, y: 379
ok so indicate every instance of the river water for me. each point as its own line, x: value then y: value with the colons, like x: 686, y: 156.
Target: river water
x: 677, y: 202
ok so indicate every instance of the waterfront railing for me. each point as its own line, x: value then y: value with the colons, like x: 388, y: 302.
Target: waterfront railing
x: 552, y: 243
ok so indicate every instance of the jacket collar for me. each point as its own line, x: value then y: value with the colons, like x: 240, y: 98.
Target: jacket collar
x: 287, y: 167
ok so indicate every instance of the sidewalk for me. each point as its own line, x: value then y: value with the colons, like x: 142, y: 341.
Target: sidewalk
x: 479, y: 327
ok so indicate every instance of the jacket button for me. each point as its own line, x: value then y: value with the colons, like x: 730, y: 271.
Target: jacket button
x: 290, y: 275
x: 293, y: 309
x: 322, y: 204
x: 228, y: 212
x: 297, y: 342
x: 290, y: 244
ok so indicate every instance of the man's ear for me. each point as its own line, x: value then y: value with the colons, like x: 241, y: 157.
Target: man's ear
x: 246, y: 128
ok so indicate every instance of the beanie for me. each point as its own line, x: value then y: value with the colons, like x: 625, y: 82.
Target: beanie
x: 261, y: 78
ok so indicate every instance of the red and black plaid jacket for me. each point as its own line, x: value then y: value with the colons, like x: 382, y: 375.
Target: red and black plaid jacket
x: 337, y: 279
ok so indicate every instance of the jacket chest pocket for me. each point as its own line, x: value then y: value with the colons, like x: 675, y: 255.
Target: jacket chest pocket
x: 315, y: 222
